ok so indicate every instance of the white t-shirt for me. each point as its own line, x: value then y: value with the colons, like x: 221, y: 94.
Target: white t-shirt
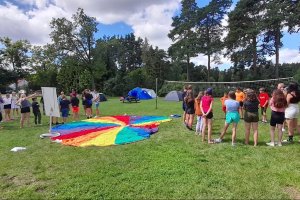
x: 6, y: 101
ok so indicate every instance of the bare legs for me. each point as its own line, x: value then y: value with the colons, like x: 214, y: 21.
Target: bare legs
x: 254, y: 126
x: 292, y: 125
x: 233, y: 136
x: 25, y: 117
x: 272, y: 134
x: 208, y: 123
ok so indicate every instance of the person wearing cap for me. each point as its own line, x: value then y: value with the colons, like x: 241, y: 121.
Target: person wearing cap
x: 207, y: 114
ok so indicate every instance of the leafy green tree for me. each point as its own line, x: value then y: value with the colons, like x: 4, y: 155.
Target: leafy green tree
x: 210, y: 29
x: 44, y: 64
x: 76, y: 38
x: 130, y: 53
x: 292, y: 8
x: 274, y: 21
x: 156, y: 65
x: 14, y: 57
x: 244, y: 26
x: 183, y: 34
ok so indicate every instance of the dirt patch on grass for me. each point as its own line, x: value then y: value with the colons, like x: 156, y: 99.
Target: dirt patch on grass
x: 292, y: 192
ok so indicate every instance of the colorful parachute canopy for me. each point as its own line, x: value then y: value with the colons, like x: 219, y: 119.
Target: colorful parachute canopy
x: 105, y: 131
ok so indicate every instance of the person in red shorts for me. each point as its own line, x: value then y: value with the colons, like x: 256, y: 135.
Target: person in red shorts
x: 75, y: 107
x: 263, y: 98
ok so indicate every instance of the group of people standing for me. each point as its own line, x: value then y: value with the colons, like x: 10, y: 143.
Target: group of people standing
x: 72, y: 104
x: 236, y: 105
x: 16, y: 105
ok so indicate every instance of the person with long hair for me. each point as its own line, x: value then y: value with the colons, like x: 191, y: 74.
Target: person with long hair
x: 25, y: 109
x: 198, y: 113
x: 207, y: 114
x: 7, y: 107
x: 232, y: 117
x: 183, y: 104
x: 292, y: 110
x: 190, y: 109
x: 251, y: 117
x: 278, y: 105
x: 15, y: 108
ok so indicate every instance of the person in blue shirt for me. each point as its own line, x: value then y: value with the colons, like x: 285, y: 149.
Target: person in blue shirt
x: 64, y: 107
x: 232, y: 117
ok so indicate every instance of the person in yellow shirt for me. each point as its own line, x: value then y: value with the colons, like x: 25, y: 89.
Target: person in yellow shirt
x: 240, y: 97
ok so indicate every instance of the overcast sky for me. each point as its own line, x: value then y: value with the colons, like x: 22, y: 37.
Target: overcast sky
x: 29, y: 19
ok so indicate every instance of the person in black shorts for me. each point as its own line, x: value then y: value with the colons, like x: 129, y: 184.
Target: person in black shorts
x: 278, y: 103
x: 88, y: 97
x: 190, y: 109
x: 251, y: 116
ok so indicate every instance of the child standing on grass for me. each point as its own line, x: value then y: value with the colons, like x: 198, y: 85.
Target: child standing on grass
x: 198, y: 113
x: 292, y: 111
x: 88, y: 97
x: 207, y: 114
x: 232, y: 117
x: 14, y: 106
x: 240, y: 96
x: 75, y: 107
x: 64, y: 108
x: 190, y: 109
x: 7, y: 107
x: 183, y: 104
x: 1, y: 104
x: 96, y: 100
x: 278, y: 104
x: 263, y: 101
x: 223, y: 99
x: 36, y: 112
x: 251, y: 117
x: 25, y: 109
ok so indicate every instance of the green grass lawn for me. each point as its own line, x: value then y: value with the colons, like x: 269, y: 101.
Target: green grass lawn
x: 172, y: 164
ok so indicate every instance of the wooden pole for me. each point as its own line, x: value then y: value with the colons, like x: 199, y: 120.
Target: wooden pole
x: 156, y: 93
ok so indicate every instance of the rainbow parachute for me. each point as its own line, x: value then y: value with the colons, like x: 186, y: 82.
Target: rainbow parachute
x: 105, y: 131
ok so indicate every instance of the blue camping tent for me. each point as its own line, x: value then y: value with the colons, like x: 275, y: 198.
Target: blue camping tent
x: 139, y: 94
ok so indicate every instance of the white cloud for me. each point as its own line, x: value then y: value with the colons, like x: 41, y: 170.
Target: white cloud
x: 151, y: 19
x: 32, y: 25
x: 287, y: 55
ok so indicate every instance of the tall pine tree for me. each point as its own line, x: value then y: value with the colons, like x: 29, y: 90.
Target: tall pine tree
x: 183, y: 34
x: 210, y: 29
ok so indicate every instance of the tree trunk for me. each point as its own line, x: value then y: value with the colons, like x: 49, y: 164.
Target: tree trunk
x: 187, y: 68
x: 208, y: 67
x: 277, y: 43
x: 254, y: 43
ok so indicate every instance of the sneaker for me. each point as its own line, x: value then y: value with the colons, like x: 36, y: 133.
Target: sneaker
x: 271, y: 144
x: 279, y: 144
x: 233, y: 144
x: 288, y: 141
x: 218, y: 140
x: 283, y: 130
